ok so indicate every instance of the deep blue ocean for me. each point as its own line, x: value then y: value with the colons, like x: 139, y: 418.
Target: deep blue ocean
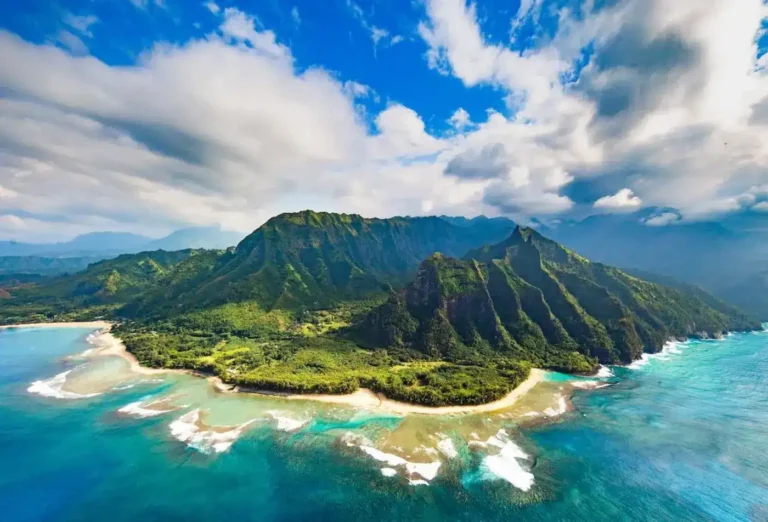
x: 682, y: 437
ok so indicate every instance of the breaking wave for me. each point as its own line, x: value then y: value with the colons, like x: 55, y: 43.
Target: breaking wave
x: 54, y: 387
x: 189, y: 430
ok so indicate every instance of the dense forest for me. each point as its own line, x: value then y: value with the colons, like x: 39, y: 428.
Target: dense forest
x: 426, y: 310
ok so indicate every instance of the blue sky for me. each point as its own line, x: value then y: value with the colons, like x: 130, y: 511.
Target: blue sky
x: 148, y: 115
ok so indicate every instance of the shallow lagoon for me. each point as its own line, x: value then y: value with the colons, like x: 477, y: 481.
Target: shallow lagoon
x: 680, y: 437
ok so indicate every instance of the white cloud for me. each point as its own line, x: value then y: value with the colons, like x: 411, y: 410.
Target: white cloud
x: 212, y: 7
x: 143, y: 4
x: 673, y: 104
x: 72, y: 43
x: 378, y: 34
x: 624, y: 199
x: 81, y: 24
x: 670, y: 112
x: 662, y: 220
x: 761, y: 207
x: 402, y: 133
x: 295, y: 16
x: 240, y: 27
x: 460, y: 119
x: 357, y: 90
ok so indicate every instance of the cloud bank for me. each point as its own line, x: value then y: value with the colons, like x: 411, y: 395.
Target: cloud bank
x: 650, y: 104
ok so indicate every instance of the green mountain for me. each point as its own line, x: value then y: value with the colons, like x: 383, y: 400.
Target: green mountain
x: 101, y: 288
x: 312, y: 260
x: 326, y: 303
x: 44, y: 265
x: 530, y: 298
x: 750, y: 294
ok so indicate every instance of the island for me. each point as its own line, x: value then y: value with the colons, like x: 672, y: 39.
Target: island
x: 420, y: 310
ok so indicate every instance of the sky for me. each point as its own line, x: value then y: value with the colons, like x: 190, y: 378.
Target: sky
x: 150, y: 115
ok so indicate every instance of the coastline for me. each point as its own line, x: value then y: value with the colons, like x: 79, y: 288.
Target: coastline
x: 75, y: 324
x: 366, y: 399
x: 105, y: 344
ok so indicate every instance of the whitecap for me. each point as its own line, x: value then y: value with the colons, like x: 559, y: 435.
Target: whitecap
x: 426, y: 470
x: 186, y: 429
x: 142, y: 409
x: 446, y: 447
x: 585, y: 385
x: 670, y: 348
x: 604, y: 372
x: 123, y: 387
x: 505, y: 464
x: 418, y: 482
x: 286, y: 423
x: 388, y: 472
x: 53, y: 387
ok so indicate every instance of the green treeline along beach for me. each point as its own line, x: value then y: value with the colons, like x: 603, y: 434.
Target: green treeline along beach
x: 420, y: 309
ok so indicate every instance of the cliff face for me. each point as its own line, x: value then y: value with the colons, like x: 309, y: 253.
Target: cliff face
x: 530, y: 298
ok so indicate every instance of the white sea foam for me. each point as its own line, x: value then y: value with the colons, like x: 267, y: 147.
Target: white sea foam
x: 53, y: 387
x: 505, y: 464
x: 562, y: 407
x: 670, y: 348
x: 122, y: 387
x: 142, y: 409
x: 388, y: 472
x: 446, y: 447
x: 604, y: 372
x: 286, y: 423
x: 187, y: 430
x: 418, y: 482
x: 426, y: 470
x: 585, y: 385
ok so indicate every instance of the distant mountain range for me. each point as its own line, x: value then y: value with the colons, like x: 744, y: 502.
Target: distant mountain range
x: 108, y: 244
x: 76, y: 254
x: 728, y: 259
x: 724, y: 258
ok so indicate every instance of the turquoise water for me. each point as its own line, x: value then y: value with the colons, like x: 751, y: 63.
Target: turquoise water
x: 684, y: 437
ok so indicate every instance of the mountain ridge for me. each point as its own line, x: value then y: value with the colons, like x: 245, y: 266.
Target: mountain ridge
x: 415, y: 308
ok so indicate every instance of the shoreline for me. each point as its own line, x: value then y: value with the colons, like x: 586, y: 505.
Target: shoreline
x: 105, y: 344
x: 366, y: 399
x: 75, y: 324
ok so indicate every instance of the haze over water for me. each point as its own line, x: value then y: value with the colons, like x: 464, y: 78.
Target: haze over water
x: 679, y: 437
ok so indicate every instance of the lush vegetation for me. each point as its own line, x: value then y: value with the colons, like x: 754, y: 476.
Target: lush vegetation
x: 44, y: 265
x: 327, y: 303
x: 529, y: 298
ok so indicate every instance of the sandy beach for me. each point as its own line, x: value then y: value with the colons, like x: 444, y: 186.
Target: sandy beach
x: 105, y: 343
x: 367, y: 399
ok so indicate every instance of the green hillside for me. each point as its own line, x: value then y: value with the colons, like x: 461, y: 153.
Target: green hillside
x: 313, y: 260
x: 415, y: 308
x: 100, y: 289
x: 529, y: 298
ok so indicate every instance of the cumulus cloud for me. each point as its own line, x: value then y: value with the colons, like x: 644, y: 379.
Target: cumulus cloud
x: 662, y: 220
x: 81, y: 24
x: 670, y: 102
x: 460, y: 119
x: 624, y: 199
x: 667, y: 109
x: 218, y: 130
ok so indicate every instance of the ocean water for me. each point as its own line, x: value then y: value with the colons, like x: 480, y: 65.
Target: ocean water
x: 680, y: 436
